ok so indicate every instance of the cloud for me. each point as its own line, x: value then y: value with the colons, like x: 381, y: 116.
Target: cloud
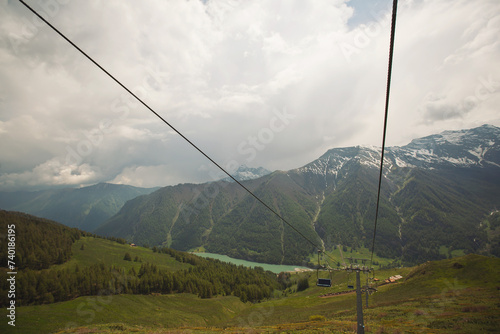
x: 51, y: 172
x: 442, y: 109
x: 219, y: 71
x: 152, y: 176
x: 444, y: 49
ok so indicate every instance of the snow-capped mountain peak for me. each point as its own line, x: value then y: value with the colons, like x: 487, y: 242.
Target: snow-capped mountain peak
x: 477, y: 147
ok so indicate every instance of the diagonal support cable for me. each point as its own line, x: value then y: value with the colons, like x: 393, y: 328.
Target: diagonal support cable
x: 170, y: 125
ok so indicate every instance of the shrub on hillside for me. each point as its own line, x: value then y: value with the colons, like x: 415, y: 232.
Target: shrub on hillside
x: 302, y: 284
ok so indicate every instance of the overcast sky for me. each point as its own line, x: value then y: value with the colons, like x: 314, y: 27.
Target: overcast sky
x: 258, y: 82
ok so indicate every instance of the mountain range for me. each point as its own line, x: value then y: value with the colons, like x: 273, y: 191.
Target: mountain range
x: 440, y: 194
x: 85, y: 208
x: 88, y: 207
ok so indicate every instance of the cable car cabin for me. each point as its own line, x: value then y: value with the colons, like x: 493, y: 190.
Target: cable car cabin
x: 324, y: 282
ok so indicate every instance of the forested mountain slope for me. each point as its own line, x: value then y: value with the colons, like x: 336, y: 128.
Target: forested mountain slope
x: 436, y: 193
x: 85, y: 208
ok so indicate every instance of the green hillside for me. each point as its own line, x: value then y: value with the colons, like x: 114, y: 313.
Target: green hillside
x: 91, y: 250
x: 178, y: 215
x: 122, y: 313
x: 348, y: 214
x: 250, y: 231
x: 443, y: 209
x: 77, y: 264
x: 458, y: 295
x: 107, y: 286
x: 39, y: 243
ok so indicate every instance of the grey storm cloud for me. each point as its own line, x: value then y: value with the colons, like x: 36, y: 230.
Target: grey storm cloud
x: 261, y: 83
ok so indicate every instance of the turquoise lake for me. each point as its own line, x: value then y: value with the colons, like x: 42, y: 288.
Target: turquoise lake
x: 275, y: 268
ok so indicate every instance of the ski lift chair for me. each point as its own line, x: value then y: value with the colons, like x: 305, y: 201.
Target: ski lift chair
x: 324, y: 282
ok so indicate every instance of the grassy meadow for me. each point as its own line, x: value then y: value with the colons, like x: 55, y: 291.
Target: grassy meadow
x: 460, y: 295
x: 97, y: 250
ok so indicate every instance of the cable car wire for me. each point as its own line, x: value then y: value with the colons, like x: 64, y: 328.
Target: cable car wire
x: 170, y: 125
x: 213, y: 161
x: 386, y: 113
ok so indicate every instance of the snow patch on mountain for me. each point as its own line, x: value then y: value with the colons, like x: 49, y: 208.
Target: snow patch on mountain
x: 401, y: 163
x: 463, y: 148
x: 248, y: 173
x: 454, y: 137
